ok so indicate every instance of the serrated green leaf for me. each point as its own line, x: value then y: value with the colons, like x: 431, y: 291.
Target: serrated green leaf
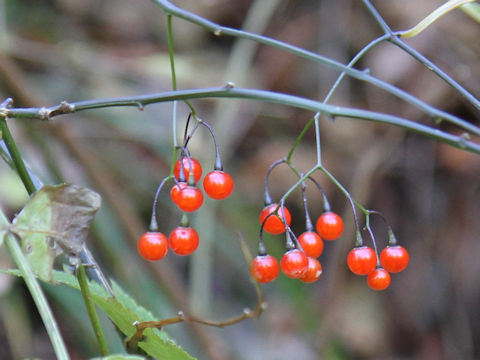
x: 56, y: 219
x: 123, y: 311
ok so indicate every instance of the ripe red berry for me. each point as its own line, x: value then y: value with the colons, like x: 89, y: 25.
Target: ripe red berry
x: 264, y: 268
x: 362, y: 260
x: 218, y: 184
x: 175, y: 190
x: 311, y: 243
x: 329, y: 226
x: 152, y: 245
x: 183, y: 240
x: 314, y: 271
x: 294, y: 263
x: 378, y: 279
x: 394, y: 258
x: 274, y: 224
x: 189, y: 198
x: 187, y: 164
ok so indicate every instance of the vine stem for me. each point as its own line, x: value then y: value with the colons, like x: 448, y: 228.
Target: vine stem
x: 461, y: 142
x: 22, y: 262
x: 38, y: 297
x: 92, y: 312
x: 218, y: 30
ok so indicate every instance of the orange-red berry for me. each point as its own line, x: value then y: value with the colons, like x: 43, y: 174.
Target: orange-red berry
x: 274, y: 224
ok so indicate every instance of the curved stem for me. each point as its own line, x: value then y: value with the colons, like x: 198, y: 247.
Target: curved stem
x: 268, y: 199
x: 92, y: 312
x: 218, y: 30
x: 461, y: 142
x: 153, y: 221
x: 218, y: 160
x: 38, y: 297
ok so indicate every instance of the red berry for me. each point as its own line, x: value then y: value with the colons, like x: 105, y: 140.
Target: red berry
x: 153, y: 245
x: 294, y: 263
x: 314, y: 271
x: 311, y: 243
x: 329, y: 226
x: 274, y: 224
x: 175, y: 190
x: 394, y: 258
x: 264, y: 268
x: 183, y: 240
x: 218, y: 184
x: 362, y: 260
x: 187, y: 164
x: 189, y: 198
x: 378, y: 279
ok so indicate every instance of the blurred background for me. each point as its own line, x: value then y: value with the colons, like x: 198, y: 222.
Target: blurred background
x: 77, y: 50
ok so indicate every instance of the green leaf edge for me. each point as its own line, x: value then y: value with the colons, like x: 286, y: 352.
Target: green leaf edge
x: 123, y: 311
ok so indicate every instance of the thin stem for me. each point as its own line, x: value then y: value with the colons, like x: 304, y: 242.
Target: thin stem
x: 218, y: 160
x: 38, y: 297
x: 318, y: 139
x: 299, y: 138
x: 308, y: 219
x: 92, y: 312
x: 268, y: 199
x: 461, y: 142
x: 372, y: 236
x: 174, y: 81
x: 218, y: 30
x: 16, y: 157
x: 394, y: 39
x: 153, y: 220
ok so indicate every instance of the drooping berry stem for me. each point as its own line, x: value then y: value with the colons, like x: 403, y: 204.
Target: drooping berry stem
x: 153, y: 220
x: 392, y: 240
x: 326, y: 203
x: 268, y: 198
x: 218, y: 160
x: 308, y: 219
x: 372, y: 236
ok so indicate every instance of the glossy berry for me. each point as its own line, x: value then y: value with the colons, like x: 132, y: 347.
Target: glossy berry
x: 378, y: 279
x: 187, y: 164
x: 362, y: 260
x: 218, y: 184
x: 175, y: 190
x: 183, y: 240
x: 274, y: 224
x: 329, y: 226
x: 394, y: 258
x: 294, y: 263
x: 189, y: 198
x: 152, y: 245
x: 264, y: 268
x: 311, y: 243
x: 314, y: 271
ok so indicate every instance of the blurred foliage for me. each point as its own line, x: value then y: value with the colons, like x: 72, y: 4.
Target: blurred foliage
x: 75, y: 50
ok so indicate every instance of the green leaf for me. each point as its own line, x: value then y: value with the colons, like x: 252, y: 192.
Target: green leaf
x: 56, y: 219
x: 123, y: 311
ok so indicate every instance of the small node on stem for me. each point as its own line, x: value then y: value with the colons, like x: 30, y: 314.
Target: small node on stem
x: 230, y: 85
x: 135, y: 323
x: 44, y: 113
x: 264, y: 306
x: 247, y: 312
x: 217, y: 32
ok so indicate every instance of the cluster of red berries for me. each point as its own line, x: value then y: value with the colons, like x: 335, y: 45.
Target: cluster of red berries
x: 185, y: 194
x: 362, y: 260
x: 300, y: 260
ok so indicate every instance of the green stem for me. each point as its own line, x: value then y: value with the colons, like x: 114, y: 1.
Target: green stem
x: 38, y: 297
x: 16, y: 157
x: 92, y: 312
x: 460, y: 142
x: 218, y: 30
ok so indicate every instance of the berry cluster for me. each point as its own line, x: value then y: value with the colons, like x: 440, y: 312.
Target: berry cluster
x: 363, y: 260
x: 188, y: 197
x: 300, y: 258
